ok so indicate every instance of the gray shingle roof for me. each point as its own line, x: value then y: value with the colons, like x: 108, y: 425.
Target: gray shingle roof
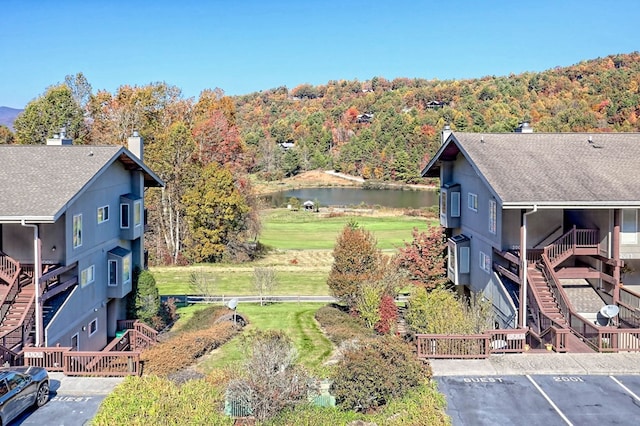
x: 552, y: 168
x: 37, y: 181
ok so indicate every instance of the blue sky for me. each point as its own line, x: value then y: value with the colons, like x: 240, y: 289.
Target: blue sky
x: 243, y: 46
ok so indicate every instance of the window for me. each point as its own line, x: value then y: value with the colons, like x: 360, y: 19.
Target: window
x: 472, y: 202
x: 137, y: 213
x: 443, y: 202
x: 493, y: 216
x: 113, y: 272
x: 103, y: 214
x: 455, y: 204
x: 126, y: 268
x: 485, y: 262
x: 74, y: 342
x: 93, y: 327
x: 629, y: 230
x: 77, y: 230
x: 87, y: 276
x: 124, y: 216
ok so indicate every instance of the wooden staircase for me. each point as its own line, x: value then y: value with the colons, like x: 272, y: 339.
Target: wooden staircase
x: 17, y: 309
x: 549, y: 305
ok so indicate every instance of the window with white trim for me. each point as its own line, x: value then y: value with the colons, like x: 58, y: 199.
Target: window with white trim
x: 455, y: 204
x: 126, y: 268
x: 103, y: 214
x: 485, y: 262
x: 93, y: 327
x: 472, y: 201
x: 493, y: 216
x: 113, y: 272
x: 629, y: 228
x: 124, y: 216
x: 137, y: 213
x: 77, y: 230
x: 87, y: 276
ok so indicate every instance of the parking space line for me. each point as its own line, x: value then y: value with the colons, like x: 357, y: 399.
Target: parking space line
x: 555, y: 407
x: 625, y: 388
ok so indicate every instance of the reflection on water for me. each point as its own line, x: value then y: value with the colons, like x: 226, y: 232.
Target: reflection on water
x: 355, y: 197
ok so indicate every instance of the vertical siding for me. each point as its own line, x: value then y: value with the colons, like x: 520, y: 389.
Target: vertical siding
x: 86, y: 302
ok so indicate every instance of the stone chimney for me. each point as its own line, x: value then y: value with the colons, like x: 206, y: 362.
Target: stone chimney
x: 60, y: 138
x: 136, y: 145
x: 446, y: 132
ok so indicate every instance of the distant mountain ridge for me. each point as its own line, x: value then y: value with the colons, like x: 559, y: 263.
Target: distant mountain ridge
x: 8, y: 116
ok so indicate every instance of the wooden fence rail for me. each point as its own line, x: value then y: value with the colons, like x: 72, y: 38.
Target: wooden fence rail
x: 471, y: 345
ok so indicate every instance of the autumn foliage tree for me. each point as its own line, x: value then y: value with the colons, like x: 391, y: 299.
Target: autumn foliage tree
x: 423, y: 258
x: 216, y: 213
x: 357, y: 260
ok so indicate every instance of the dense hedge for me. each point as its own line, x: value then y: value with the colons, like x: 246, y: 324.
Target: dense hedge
x: 373, y: 372
x: 153, y: 400
x: 195, y: 338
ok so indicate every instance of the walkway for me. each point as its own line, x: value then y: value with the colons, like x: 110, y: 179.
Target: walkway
x: 540, y: 363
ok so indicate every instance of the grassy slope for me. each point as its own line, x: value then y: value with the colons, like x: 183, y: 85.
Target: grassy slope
x: 298, y: 321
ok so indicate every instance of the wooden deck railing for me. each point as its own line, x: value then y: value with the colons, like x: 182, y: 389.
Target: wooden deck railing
x: 471, y: 345
x: 566, y: 245
x: 9, y: 268
x: 121, y: 357
x: 144, y: 337
x: 75, y: 363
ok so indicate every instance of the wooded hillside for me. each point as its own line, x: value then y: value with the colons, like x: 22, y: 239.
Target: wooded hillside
x: 388, y: 129
x: 385, y: 130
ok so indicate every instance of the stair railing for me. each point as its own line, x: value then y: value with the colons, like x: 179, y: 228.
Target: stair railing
x: 9, y: 268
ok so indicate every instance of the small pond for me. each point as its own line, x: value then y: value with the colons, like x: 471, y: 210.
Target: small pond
x: 356, y: 196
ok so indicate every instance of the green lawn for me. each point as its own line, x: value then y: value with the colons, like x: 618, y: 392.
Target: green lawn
x: 296, y: 319
x: 175, y: 281
x: 302, y: 244
x: 301, y: 230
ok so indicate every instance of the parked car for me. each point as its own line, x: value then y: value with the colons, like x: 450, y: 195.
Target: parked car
x: 20, y: 389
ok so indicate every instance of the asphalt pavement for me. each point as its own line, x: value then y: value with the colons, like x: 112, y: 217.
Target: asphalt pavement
x: 540, y: 363
x: 541, y: 389
x: 73, y: 401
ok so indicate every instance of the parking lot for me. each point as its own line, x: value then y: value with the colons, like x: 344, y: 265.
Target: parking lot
x: 542, y: 399
x: 74, y: 401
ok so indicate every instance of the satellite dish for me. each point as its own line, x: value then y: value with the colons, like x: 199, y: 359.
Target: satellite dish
x: 609, y: 311
x: 233, y: 303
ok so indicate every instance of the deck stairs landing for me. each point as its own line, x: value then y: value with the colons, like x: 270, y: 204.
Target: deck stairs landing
x: 549, y: 306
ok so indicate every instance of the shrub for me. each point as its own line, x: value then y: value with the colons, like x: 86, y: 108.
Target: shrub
x: 271, y: 380
x: 441, y: 311
x: 204, y: 318
x: 422, y: 406
x: 183, y: 349
x: 369, y: 376
x: 152, y: 400
x: 356, y: 260
x: 388, y: 315
x: 145, y: 298
x: 340, y: 326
